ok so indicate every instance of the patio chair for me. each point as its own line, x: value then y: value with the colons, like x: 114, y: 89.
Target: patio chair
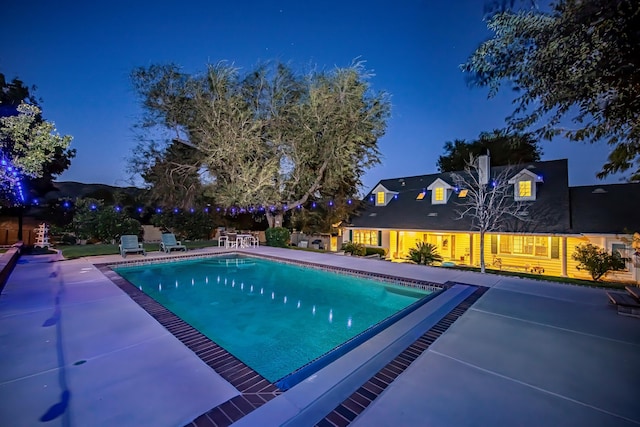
x: 129, y: 243
x: 169, y: 242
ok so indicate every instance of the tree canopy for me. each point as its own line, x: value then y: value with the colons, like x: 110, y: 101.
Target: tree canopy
x: 505, y: 148
x: 578, y: 62
x: 271, y: 138
x: 30, y: 148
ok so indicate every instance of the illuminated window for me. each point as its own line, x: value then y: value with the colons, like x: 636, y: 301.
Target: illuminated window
x: 525, y: 245
x: 366, y: 237
x: 420, y: 196
x: 380, y: 198
x: 524, y: 188
x: 440, y: 191
x: 525, y: 185
x: 463, y: 193
x: 505, y: 244
x: 541, y: 246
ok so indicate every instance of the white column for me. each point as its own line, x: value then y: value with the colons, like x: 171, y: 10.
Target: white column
x: 563, y: 255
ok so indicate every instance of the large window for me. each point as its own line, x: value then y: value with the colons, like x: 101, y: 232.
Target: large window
x: 524, y: 245
x: 366, y: 237
x: 380, y: 198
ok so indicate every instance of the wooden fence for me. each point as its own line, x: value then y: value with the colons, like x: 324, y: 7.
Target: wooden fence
x: 9, y: 236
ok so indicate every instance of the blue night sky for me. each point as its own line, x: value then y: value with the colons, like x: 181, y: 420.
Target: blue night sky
x: 79, y: 55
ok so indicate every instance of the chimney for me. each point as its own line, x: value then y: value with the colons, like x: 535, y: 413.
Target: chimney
x: 484, y: 168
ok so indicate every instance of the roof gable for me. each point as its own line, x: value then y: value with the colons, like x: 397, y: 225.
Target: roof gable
x: 439, y: 182
x: 525, y: 174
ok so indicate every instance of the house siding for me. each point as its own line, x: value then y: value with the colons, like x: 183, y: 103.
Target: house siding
x: 397, y: 244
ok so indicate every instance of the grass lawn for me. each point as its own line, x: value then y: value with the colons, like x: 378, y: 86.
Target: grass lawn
x: 77, y: 251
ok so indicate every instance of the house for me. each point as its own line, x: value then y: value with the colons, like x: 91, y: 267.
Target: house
x: 556, y: 218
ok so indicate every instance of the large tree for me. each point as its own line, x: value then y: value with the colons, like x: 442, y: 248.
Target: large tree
x: 32, y: 153
x: 29, y: 144
x: 271, y: 138
x: 505, y: 147
x: 580, y: 61
x: 489, y: 202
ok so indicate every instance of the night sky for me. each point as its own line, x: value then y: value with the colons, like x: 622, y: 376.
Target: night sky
x: 80, y: 54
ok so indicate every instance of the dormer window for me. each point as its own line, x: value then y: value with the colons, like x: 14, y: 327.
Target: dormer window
x: 382, y: 196
x: 524, y: 185
x: 440, y: 191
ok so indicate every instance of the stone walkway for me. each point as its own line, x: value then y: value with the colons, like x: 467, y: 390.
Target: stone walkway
x: 76, y: 351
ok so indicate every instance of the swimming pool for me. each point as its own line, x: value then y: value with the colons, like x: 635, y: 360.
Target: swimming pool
x: 275, y: 317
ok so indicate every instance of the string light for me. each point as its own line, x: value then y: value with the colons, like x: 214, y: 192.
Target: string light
x: 231, y: 210
x: 9, y: 174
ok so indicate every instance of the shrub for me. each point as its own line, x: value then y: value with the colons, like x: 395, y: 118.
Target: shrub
x: 186, y: 225
x: 354, y: 248
x: 68, y: 239
x: 375, y: 251
x: 597, y: 260
x: 94, y: 221
x: 424, y: 253
x: 277, y: 237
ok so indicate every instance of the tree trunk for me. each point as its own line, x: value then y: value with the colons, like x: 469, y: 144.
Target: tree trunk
x: 482, y: 265
x: 20, y: 216
x: 274, y: 220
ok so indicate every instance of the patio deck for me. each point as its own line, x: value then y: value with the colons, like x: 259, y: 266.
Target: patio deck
x: 75, y: 350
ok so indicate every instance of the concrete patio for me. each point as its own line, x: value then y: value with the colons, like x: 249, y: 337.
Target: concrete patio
x: 76, y: 351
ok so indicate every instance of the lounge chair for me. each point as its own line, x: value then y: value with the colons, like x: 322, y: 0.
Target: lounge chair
x: 129, y: 243
x: 169, y: 242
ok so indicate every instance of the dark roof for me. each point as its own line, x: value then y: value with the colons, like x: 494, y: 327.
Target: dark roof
x: 612, y: 208
x: 549, y: 213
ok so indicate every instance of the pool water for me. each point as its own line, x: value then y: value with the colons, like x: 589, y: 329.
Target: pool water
x: 274, y: 317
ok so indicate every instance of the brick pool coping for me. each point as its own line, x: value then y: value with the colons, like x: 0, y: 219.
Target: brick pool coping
x: 347, y: 411
x: 254, y: 388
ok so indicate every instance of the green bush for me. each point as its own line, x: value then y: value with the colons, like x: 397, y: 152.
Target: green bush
x: 68, y: 239
x: 278, y: 237
x: 424, y: 254
x: 375, y: 251
x: 597, y: 261
x: 196, y: 225
x: 92, y: 220
x: 354, y: 248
